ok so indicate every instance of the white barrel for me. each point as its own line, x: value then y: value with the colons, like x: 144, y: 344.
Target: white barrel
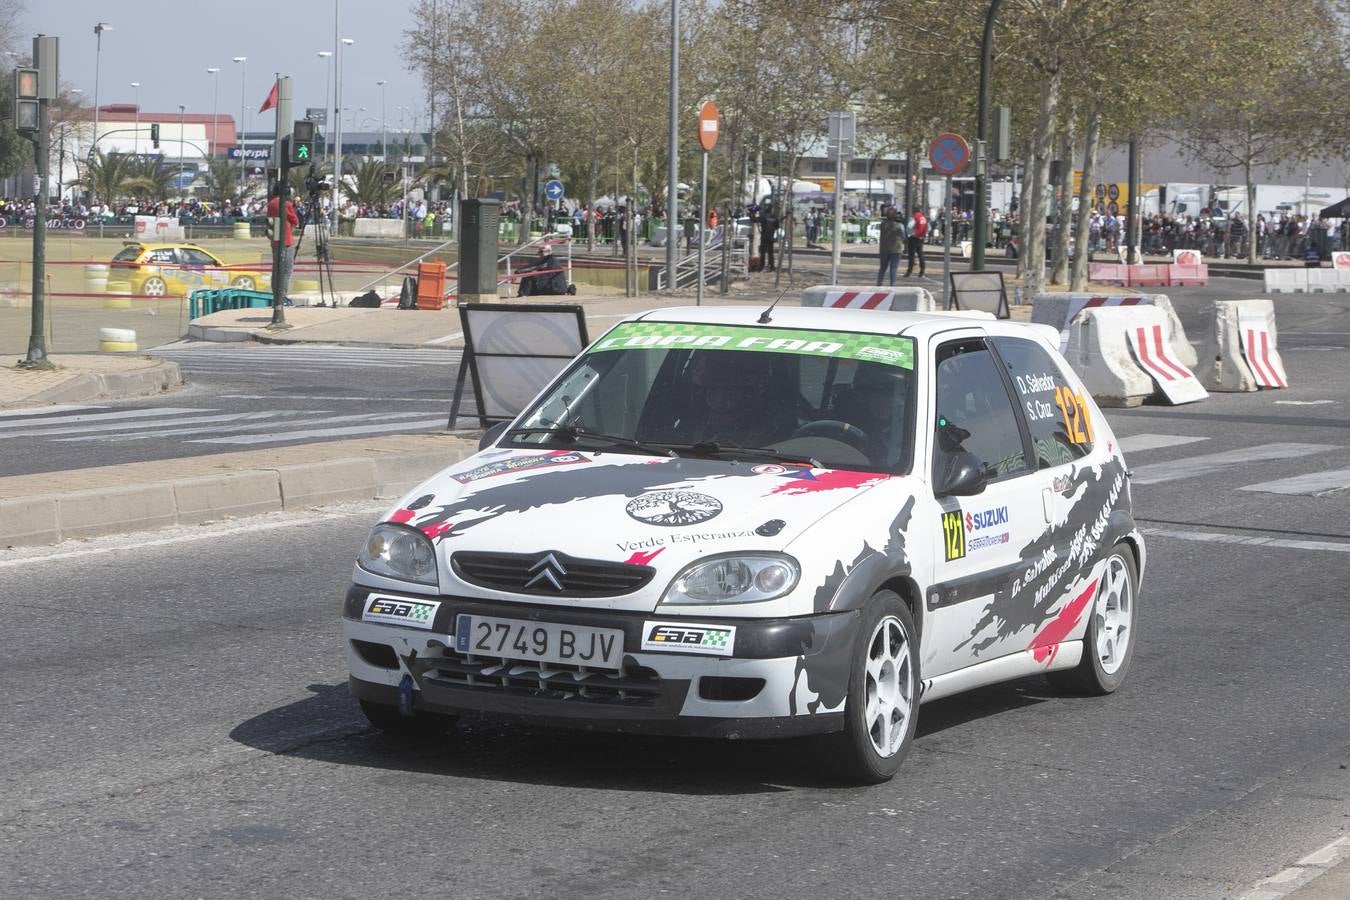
x: 95, y: 278
x: 116, y: 340
x: 241, y: 231
x: 116, y: 301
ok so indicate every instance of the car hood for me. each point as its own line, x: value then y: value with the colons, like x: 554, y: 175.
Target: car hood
x: 619, y: 508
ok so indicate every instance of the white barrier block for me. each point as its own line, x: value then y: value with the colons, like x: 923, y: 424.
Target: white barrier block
x: 1149, y: 345
x: 1322, y: 281
x: 1343, y: 277
x: 840, y: 296
x: 1100, y: 354
x: 1286, y: 280
x: 1228, y: 366
x: 1059, y: 311
x: 384, y: 228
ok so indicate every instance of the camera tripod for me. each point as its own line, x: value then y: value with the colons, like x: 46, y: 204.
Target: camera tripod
x: 316, y: 216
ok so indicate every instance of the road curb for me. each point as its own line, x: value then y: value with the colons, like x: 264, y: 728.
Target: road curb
x: 156, y: 379
x: 118, y: 509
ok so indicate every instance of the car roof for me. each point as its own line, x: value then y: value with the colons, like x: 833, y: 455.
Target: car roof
x: 864, y: 321
x: 162, y: 246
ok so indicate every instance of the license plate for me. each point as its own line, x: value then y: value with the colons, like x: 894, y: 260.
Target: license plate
x: 545, y: 642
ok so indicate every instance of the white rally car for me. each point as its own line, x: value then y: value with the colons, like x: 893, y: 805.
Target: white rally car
x: 718, y: 521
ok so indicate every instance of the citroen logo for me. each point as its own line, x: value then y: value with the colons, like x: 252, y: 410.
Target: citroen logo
x: 547, y: 570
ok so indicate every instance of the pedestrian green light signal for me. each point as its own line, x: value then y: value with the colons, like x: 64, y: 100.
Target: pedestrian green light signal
x: 302, y: 141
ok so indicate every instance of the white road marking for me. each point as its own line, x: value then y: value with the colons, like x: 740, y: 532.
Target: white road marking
x: 1210, y: 463
x: 1214, y: 537
x: 1137, y: 443
x: 44, y: 410
x: 1313, y: 484
x: 1303, y: 402
x: 273, y: 437
x: 136, y: 541
x: 1308, y: 869
x: 103, y: 417
x: 446, y: 338
x: 123, y: 426
x: 358, y: 398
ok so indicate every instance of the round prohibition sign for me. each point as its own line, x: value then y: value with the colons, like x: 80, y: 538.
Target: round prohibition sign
x: 949, y: 153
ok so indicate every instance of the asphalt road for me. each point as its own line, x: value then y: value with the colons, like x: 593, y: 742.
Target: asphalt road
x: 175, y: 722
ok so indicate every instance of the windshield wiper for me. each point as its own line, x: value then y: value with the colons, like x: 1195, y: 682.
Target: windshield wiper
x: 714, y: 448
x: 573, y: 432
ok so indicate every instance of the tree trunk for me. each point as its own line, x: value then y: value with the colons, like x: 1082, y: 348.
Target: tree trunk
x: 1024, y: 215
x: 1064, y: 211
x: 590, y: 202
x: 527, y: 205
x: 754, y: 193
x: 1251, y: 215
x: 1079, y: 280
x: 1039, y: 207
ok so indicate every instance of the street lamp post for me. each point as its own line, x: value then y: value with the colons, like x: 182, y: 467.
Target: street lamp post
x: 981, y: 133
x: 243, y: 159
x: 98, y: 57
x: 214, y: 72
x: 337, y: 109
x: 673, y: 149
x: 326, y: 55
x: 137, y: 133
x: 182, y: 109
x: 384, y: 141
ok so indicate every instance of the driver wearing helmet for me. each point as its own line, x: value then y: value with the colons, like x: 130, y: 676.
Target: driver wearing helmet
x: 730, y: 392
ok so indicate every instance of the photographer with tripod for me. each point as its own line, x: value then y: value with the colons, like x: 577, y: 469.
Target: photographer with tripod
x: 283, y: 277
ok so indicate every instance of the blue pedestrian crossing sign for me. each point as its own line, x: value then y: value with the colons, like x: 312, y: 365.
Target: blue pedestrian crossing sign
x: 553, y: 190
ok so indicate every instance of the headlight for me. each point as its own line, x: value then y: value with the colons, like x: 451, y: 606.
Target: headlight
x: 401, y: 553
x: 734, y: 579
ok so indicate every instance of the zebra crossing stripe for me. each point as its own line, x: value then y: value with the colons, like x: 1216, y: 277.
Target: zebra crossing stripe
x: 1313, y: 484
x: 1249, y: 540
x: 277, y: 436
x: 1138, y: 443
x: 43, y: 410
x: 1211, y: 463
x: 97, y: 428
x: 104, y: 416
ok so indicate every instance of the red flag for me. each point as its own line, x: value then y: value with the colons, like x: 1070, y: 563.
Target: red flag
x: 271, y: 100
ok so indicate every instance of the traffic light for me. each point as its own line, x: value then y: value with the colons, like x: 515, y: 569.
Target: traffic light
x: 302, y: 141
x: 26, y: 101
x: 154, y: 135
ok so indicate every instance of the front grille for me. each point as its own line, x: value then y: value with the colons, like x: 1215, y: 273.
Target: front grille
x: 550, y: 574
x: 632, y: 686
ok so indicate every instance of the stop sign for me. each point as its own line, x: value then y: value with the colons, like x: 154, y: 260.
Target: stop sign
x: 708, y: 125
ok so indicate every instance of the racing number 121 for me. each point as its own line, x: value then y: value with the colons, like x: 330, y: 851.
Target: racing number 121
x: 1074, y: 409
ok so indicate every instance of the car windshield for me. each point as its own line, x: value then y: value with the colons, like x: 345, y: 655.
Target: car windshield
x: 835, y: 399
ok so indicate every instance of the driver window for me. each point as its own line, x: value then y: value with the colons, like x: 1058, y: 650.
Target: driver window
x: 974, y: 412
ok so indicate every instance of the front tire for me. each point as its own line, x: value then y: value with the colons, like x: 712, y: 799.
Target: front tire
x: 244, y: 283
x: 1108, y: 646
x: 882, y: 708
x: 154, y: 286
x: 420, y: 724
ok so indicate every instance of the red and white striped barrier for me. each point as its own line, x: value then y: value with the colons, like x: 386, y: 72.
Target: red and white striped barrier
x: 1060, y: 311
x: 1100, y: 349
x: 1258, y: 348
x: 1175, y: 381
x: 1240, y: 351
x: 838, y: 296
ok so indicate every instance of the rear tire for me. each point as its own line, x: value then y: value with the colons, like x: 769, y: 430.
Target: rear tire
x: 154, y: 286
x: 244, y: 283
x: 1108, y: 645
x: 420, y: 724
x: 882, y: 708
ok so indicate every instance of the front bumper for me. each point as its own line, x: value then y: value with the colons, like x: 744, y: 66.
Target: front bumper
x: 786, y: 677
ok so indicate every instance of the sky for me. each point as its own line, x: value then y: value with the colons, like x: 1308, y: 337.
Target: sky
x: 167, y: 45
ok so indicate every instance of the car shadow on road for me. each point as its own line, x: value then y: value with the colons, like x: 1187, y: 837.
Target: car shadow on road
x: 328, y: 727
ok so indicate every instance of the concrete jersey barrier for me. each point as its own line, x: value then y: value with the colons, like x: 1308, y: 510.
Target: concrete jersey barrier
x: 1240, y: 351
x: 896, y: 299
x: 1060, y: 310
x: 1123, y: 358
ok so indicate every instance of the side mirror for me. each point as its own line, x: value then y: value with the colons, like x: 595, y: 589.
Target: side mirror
x: 490, y: 436
x: 962, y: 475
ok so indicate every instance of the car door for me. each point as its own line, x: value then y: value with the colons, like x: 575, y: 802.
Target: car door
x: 978, y: 538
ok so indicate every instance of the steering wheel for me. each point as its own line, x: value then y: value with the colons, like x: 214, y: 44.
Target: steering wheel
x: 838, y: 430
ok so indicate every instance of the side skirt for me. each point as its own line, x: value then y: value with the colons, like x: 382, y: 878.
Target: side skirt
x: 1065, y: 655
